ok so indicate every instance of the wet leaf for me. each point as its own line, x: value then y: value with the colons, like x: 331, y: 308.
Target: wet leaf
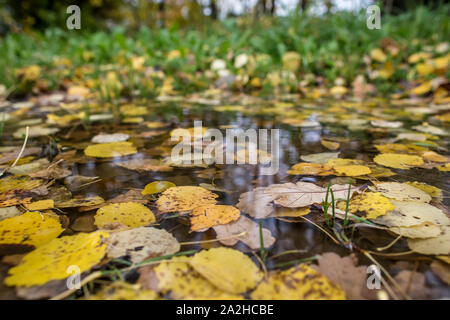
x: 298, y: 283
x: 401, y: 191
x: 131, y: 214
x: 30, y: 228
x: 249, y: 233
x: 177, y: 278
x: 398, y: 161
x: 141, y: 243
x: 110, y: 150
x: 51, y: 261
x: 372, y: 203
x: 157, y: 187
x: 227, y: 269
x: 207, y: 216
x: 184, y: 198
x: 436, y: 245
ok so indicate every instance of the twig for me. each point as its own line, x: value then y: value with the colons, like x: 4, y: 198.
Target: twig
x: 20, y: 153
x: 213, y: 240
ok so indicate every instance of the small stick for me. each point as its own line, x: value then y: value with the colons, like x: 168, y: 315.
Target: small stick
x: 20, y: 153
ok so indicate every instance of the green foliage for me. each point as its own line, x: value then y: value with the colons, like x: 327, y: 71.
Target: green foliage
x: 330, y: 46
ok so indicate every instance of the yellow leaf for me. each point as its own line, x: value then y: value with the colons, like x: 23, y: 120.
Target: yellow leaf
x: 52, y: 260
x: 310, y: 169
x: 387, y: 71
x: 378, y: 55
x: 120, y: 290
x: 434, y: 157
x: 398, y: 161
x: 298, y: 283
x: 416, y: 57
x: 422, y: 89
x: 18, y: 183
x: 291, y: 61
x: 372, y: 203
x: 29, y: 228
x: 228, y: 269
x: 211, y: 215
x: 330, y: 144
x: 425, y: 68
x: 131, y: 110
x: 338, y: 91
x: 157, y: 187
x: 445, y: 167
x: 110, y: 150
x: 352, y: 170
x: 292, y: 212
x: 436, y: 245
x: 184, y: 198
x: 80, y: 202
x: 40, y: 205
x: 431, y: 190
x: 178, y: 278
x: 131, y: 214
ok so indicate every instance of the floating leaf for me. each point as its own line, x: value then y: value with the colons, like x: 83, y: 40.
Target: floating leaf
x: 110, y: 150
x: 18, y: 183
x: 211, y: 215
x: 402, y: 191
x: 227, y: 269
x: 437, y: 245
x: 40, y: 205
x: 246, y: 231
x: 352, y: 170
x: 120, y: 290
x: 298, y: 283
x: 141, y: 243
x: 408, y: 213
x: 398, y: 161
x: 157, y: 187
x: 30, y: 228
x: 131, y: 214
x: 184, y: 198
x: 109, y: 138
x: 259, y: 202
x: 52, y: 260
x: 181, y: 281
x: 372, y: 203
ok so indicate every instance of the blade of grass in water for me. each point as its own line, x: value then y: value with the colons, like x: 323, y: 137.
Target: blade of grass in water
x: 262, y: 250
x: 289, y: 263
x: 347, y: 203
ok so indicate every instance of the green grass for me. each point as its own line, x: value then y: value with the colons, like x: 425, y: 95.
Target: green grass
x: 331, y: 46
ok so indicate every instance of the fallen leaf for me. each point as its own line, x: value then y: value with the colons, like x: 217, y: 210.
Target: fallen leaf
x: 110, y: 150
x: 141, y: 243
x: 297, y: 283
x: 207, y: 216
x: 157, y: 187
x: 227, y: 269
x: 51, y: 261
x: 131, y: 214
x: 372, y: 203
x: 184, y: 198
x: 29, y: 228
x: 398, y: 161
x: 228, y: 233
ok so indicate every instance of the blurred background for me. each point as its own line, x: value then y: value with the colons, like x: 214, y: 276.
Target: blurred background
x: 25, y: 15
